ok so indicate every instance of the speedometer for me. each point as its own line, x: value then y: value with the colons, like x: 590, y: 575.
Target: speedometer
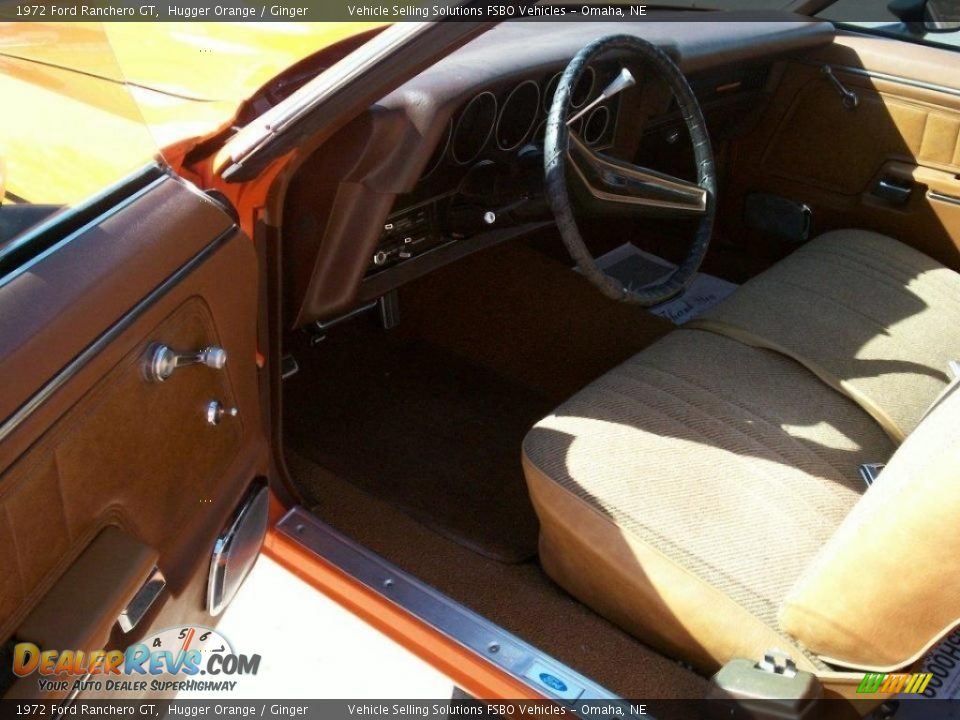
x: 519, y: 115
x: 474, y: 128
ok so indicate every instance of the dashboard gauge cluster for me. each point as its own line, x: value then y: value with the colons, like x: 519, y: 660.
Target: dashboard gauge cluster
x: 501, y: 120
x: 485, y: 162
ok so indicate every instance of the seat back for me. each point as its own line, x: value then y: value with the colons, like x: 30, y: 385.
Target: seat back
x: 885, y: 587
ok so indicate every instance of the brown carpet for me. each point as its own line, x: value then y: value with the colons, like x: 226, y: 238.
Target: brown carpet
x: 520, y: 597
x: 528, y: 317
x: 426, y: 422
x: 431, y: 415
x: 431, y: 432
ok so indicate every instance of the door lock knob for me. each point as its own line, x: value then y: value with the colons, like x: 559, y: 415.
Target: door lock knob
x: 161, y: 361
x: 217, y: 412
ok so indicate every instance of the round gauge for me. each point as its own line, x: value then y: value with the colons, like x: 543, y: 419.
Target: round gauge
x: 474, y: 128
x: 434, y: 162
x: 519, y: 115
x: 584, y: 89
x: 539, y: 133
x: 596, y: 124
x: 550, y: 90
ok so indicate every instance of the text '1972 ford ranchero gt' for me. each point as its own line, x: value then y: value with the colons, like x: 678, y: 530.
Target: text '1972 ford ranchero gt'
x: 587, y: 359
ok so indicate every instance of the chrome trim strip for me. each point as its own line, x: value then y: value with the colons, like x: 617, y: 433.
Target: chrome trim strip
x: 687, y: 196
x: 111, y: 334
x: 237, y: 547
x: 465, y: 627
x: 57, y: 219
x: 898, y: 79
x: 138, y: 606
x: 278, y: 118
x: 861, y: 72
x: 934, y: 195
x: 336, y: 320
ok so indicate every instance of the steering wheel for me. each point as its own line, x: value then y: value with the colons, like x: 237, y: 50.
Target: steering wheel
x: 610, y: 180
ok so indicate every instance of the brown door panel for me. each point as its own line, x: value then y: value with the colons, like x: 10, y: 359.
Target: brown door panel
x: 812, y: 149
x: 92, y: 445
x: 81, y: 608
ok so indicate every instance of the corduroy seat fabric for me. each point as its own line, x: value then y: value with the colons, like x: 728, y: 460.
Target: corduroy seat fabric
x: 872, y: 317
x: 683, y: 493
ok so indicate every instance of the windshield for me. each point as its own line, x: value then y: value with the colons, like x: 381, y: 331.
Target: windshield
x: 65, y: 135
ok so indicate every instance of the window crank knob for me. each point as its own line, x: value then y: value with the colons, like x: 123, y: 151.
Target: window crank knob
x: 161, y: 361
x: 214, y: 357
x: 217, y: 412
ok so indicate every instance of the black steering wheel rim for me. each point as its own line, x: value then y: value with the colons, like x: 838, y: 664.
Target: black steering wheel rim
x: 557, y: 164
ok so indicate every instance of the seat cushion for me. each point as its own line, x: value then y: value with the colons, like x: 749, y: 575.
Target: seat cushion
x: 872, y: 317
x: 884, y: 589
x: 683, y: 493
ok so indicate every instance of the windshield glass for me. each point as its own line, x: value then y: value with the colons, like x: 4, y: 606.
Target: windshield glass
x: 65, y: 134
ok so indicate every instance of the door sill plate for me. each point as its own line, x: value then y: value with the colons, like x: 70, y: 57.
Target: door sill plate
x: 519, y: 659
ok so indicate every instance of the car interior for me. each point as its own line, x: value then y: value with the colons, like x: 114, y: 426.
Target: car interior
x: 474, y: 393
x: 636, y: 341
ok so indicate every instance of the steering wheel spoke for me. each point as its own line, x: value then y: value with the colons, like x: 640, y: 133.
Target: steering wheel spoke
x: 615, y: 181
x: 612, y: 180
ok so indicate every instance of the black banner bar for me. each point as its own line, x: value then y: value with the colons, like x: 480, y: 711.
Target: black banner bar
x: 851, y: 11
x: 146, y: 709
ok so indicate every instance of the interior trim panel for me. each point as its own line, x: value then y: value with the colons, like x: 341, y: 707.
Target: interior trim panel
x: 344, y: 194
x: 87, y: 436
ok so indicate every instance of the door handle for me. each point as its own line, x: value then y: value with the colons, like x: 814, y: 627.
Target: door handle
x: 895, y: 192
x: 161, y: 361
x: 848, y: 98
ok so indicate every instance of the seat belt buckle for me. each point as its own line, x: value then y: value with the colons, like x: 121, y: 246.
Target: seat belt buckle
x: 771, y: 689
x: 870, y: 472
x: 778, y: 663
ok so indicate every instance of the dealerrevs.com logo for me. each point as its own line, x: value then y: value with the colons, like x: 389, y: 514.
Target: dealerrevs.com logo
x: 173, y: 660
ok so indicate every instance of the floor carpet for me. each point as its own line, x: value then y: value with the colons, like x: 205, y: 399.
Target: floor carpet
x: 528, y: 317
x: 518, y: 597
x: 408, y: 442
x: 416, y: 425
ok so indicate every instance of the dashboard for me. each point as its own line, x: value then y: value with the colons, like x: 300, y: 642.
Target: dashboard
x: 451, y: 162
x: 485, y: 171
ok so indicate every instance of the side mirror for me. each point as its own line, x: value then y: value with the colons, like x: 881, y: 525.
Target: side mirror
x: 927, y: 16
